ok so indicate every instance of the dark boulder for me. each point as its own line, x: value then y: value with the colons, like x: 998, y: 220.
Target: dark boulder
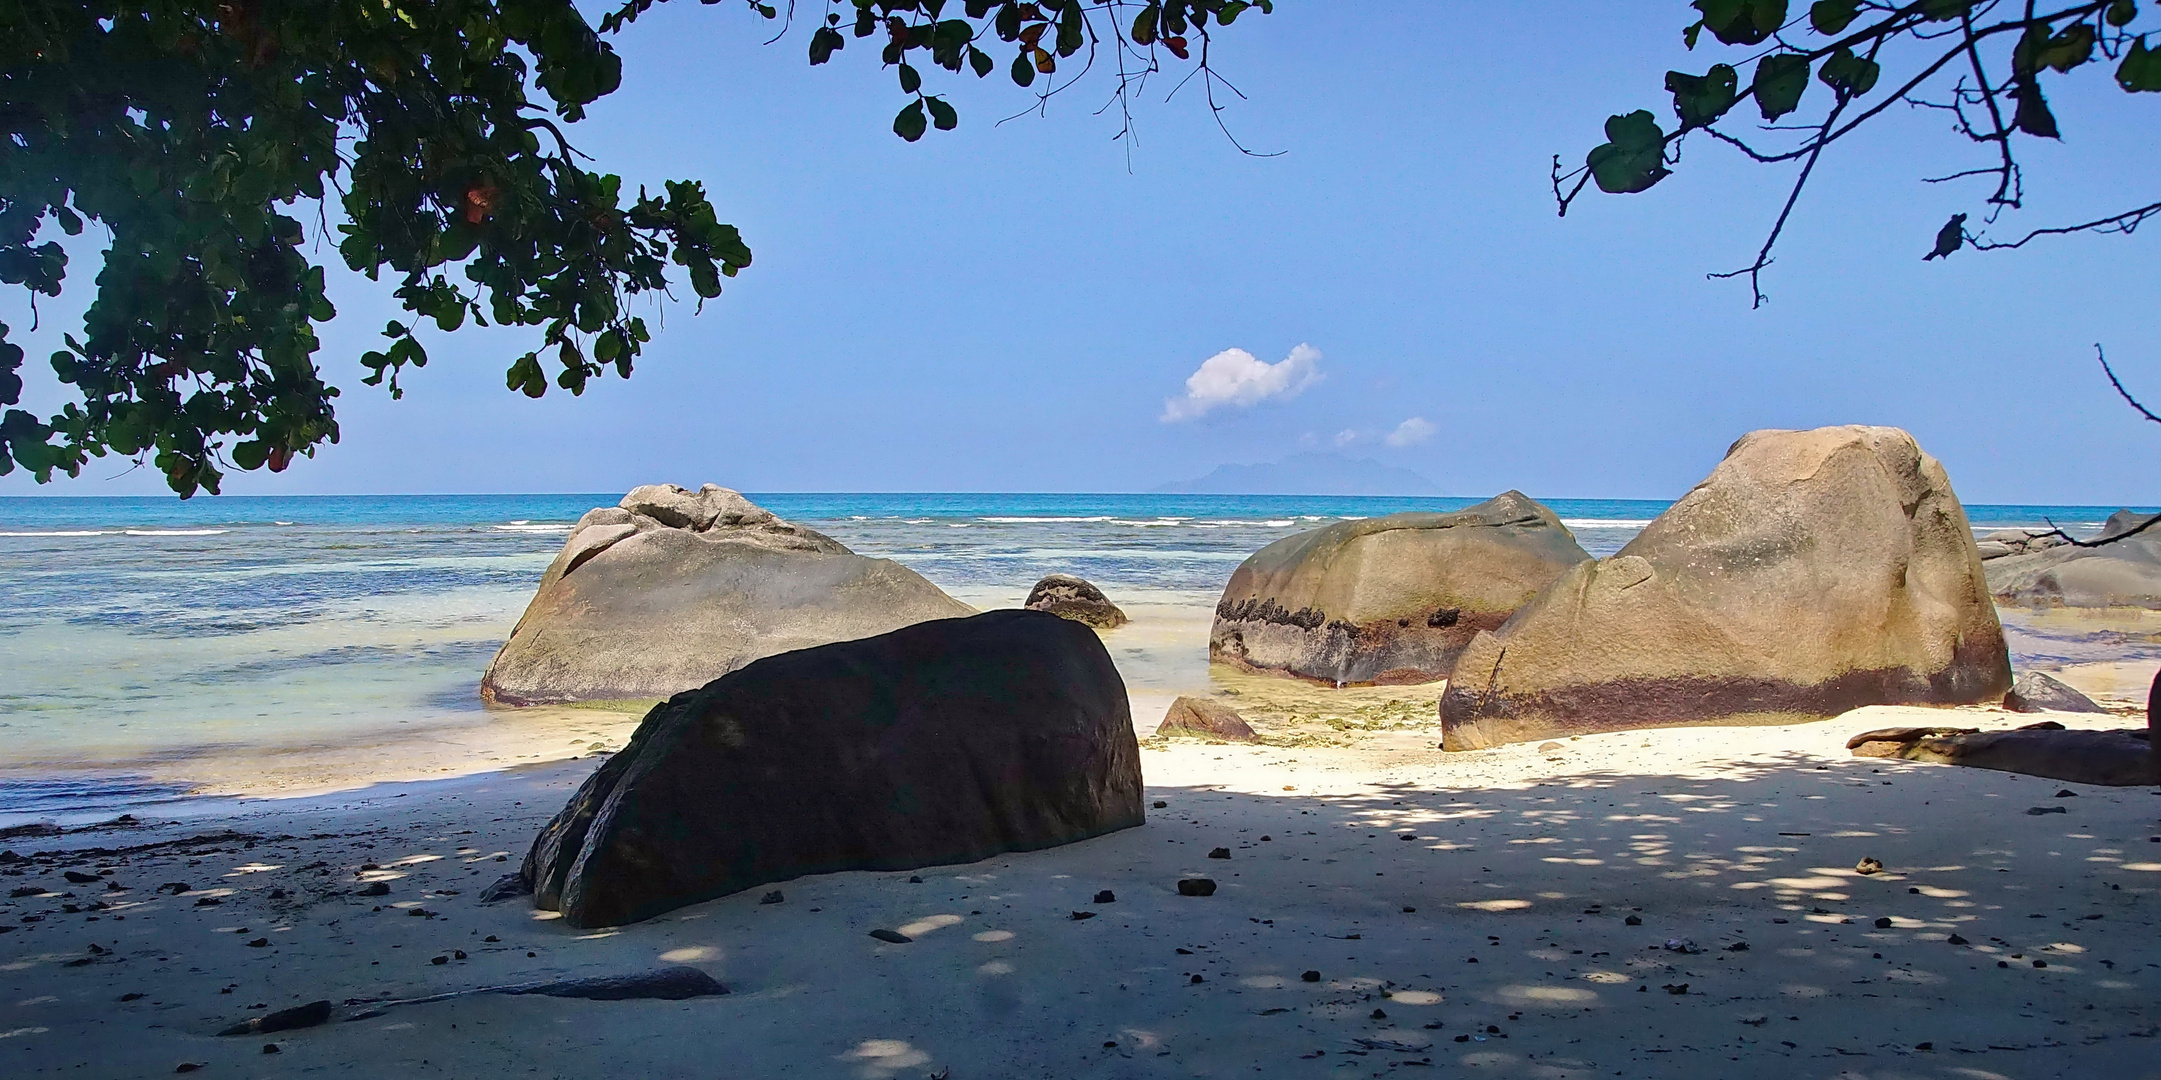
x: 1388, y: 600
x: 1201, y: 718
x: 2122, y: 758
x: 2035, y: 692
x: 1069, y: 597
x: 944, y: 742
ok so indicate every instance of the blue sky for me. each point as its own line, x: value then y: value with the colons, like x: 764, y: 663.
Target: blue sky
x: 1017, y: 306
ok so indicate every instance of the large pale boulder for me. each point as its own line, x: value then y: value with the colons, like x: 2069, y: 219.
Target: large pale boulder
x: 944, y: 742
x: 672, y: 589
x: 2126, y: 573
x: 1811, y: 573
x: 1389, y: 599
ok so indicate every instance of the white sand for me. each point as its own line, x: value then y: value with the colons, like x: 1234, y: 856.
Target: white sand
x: 1526, y: 861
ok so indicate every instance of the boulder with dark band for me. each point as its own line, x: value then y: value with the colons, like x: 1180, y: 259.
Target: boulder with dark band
x: 944, y: 742
x: 1201, y: 718
x: 2035, y: 692
x: 1811, y: 573
x: 1388, y: 600
x: 673, y: 589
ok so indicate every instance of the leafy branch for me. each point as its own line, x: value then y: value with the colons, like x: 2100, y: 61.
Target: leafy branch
x: 2001, y: 52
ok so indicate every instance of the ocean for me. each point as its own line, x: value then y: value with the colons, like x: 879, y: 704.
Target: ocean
x: 150, y: 648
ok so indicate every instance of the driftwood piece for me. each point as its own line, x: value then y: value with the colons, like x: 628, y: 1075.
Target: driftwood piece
x: 2121, y: 758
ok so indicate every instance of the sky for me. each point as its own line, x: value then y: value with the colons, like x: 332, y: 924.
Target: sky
x: 1038, y: 306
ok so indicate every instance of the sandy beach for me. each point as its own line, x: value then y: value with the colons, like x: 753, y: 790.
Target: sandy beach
x: 1678, y: 902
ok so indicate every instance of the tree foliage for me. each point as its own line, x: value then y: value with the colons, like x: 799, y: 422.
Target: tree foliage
x: 1987, y: 64
x: 219, y: 142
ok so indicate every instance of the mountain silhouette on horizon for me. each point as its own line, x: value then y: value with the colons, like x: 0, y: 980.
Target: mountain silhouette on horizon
x: 1309, y: 473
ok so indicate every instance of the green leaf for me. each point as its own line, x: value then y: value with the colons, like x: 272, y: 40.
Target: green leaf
x: 2122, y: 12
x: 942, y: 115
x: 1945, y: 10
x: 980, y: 61
x: 824, y: 44
x: 1144, y: 24
x: 910, y: 80
x: 911, y: 123
x: 1230, y: 12
x: 1847, y: 74
x: 1742, y: 22
x: 2032, y: 116
x: 1831, y: 16
x: 1023, y: 70
x: 1691, y: 33
x: 1781, y: 79
x: 2141, y: 68
x: 1634, y: 156
x: 1701, y: 99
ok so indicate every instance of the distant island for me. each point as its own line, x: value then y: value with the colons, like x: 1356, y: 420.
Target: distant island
x: 1307, y: 474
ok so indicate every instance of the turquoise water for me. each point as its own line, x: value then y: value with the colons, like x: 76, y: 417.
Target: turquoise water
x: 149, y: 637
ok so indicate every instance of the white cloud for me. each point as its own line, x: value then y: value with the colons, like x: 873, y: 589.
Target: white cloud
x: 1415, y: 430
x: 1346, y: 437
x: 1236, y: 377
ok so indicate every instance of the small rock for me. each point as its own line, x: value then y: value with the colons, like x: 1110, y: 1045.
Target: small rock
x: 1410, y: 911
x: 1408, y: 836
x: 894, y: 937
x: 271, y: 1048
x: 1755, y: 1021
x: 277, y: 894
x: 79, y: 878
x: 2040, y: 963
x: 773, y: 897
x: 1106, y: 897
x: 2065, y: 793
x: 1198, y: 886
x: 21, y: 891
x: 1220, y: 853
x: 1549, y: 747
x: 131, y: 996
x: 365, y: 867
x: 1311, y: 976
x: 438, y: 960
x: 1683, y: 946
x: 187, y: 1066
x: 1868, y: 865
x: 1738, y: 946
x: 207, y: 901
x: 1079, y: 915
x: 1924, y: 1046
x: 259, y: 943
x: 1883, y: 924
x: 491, y: 939
x: 1379, y: 1015
x: 1159, y: 804
x: 1204, y: 719
x: 173, y: 887
x: 457, y: 954
x: 1197, y: 980
x: 2037, y: 811
x: 1676, y: 989
x: 915, y: 879
x: 377, y: 888
x: 1956, y: 940
x: 1633, y: 920
x: 419, y: 912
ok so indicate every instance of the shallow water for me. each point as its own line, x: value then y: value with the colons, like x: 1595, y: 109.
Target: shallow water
x: 152, y: 647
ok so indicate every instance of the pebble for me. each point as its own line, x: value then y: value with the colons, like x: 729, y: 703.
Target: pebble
x: 1106, y: 897
x: 1198, y: 886
x: 79, y: 878
x: 1311, y: 976
x: 774, y: 897
x: 1220, y: 853
x: 1868, y: 865
x: 891, y: 936
x: 1077, y: 916
x: 379, y: 888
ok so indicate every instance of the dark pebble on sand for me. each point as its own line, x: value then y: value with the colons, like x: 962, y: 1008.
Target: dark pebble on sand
x: 1079, y: 915
x: 1633, y: 920
x: 1197, y: 886
x: 1160, y: 804
x: 774, y: 897
x: 271, y: 1048
x: 1956, y: 940
x: 1220, y: 853
x: 1883, y: 924
x: 79, y: 878
x: 379, y: 888
x: 259, y: 943
x: 1106, y: 897
x: 1311, y: 976
x: 915, y: 879
x: 438, y: 960
x: 1379, y: 1015
x: 207, y: 901
x: 893, y: 937
x: 187, y: 1066
x: 1197, y: 980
